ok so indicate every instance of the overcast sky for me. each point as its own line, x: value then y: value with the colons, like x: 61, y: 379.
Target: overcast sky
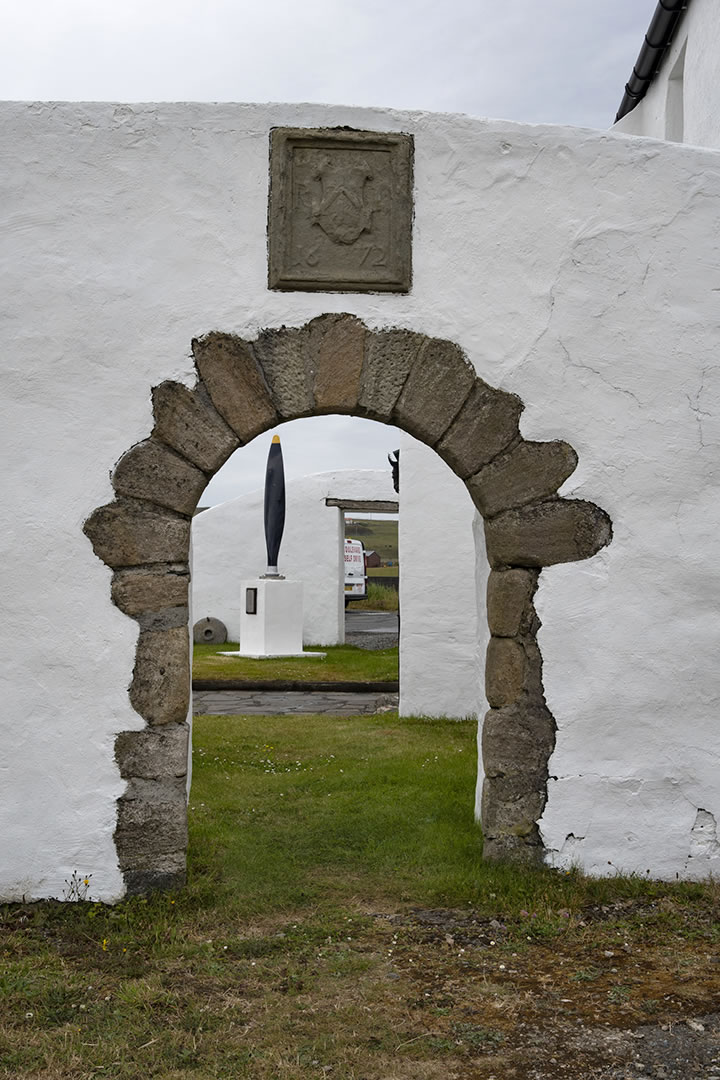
x: 555, y: 61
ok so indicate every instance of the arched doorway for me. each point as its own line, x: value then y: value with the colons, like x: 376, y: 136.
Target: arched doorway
x: 333, y: 364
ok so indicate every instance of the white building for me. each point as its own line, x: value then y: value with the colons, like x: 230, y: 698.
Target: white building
x: 681, y: 103
x: 576, y: 270
x: 229, y: 546
x: 681, y: 98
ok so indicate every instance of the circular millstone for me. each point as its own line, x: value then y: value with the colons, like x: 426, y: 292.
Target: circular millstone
x: 209, y: 631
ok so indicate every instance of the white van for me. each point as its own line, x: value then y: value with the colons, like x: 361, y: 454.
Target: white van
x: 355, y: 574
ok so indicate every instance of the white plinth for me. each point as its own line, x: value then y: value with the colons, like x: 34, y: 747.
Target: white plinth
x: 275, y: 627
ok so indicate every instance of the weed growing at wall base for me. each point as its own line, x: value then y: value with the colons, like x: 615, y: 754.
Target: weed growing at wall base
x: 77, y: 887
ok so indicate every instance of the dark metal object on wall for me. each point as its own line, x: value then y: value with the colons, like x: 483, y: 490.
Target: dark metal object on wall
x: 659, y: 35
x: 394, y: 460
x: 274, y: 505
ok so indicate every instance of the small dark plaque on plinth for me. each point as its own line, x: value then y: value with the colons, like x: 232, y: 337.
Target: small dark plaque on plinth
x: 340, y: 210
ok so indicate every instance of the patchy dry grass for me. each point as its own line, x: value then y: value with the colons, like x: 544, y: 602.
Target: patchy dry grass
x: 379, y: 598
x: 340, y: 923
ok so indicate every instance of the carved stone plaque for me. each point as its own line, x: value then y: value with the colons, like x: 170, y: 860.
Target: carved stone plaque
x: 340, y: 212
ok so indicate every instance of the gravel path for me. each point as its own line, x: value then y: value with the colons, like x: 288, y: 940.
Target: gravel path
x: 686, y: 1050
x: 374, y: 640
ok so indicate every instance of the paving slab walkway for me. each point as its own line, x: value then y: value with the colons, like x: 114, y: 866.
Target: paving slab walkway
x: 275, y: 702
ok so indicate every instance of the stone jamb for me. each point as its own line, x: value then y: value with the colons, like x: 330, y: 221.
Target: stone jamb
x: 334, y: 364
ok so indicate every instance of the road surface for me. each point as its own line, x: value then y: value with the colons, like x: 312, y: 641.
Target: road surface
x: 371, y: 622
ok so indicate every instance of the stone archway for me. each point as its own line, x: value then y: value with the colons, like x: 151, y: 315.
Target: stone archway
x: 333, y: 364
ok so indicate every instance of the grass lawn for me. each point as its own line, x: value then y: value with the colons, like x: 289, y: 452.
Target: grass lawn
x: 343, y: 663
x: 339, y: 922
x: 377, y: 534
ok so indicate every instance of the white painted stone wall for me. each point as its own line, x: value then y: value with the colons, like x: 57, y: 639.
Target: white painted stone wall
x: 442, y: 639
x: 696, y: 51
x: 229, y: 545
x: 683, y: 100
x: 579, y: 269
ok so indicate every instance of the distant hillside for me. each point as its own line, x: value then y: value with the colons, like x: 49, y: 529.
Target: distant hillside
x: 377, y: 534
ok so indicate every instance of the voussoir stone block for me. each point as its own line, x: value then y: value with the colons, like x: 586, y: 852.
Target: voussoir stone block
x: 337, y: 347
x: 525, y: 851
x: 389, y: 356
x: 505, y: 812
x: 509, y: 787
x: 504, y: 815
x: 154, y: 472
x: 127, y: 533
x: 517, y: 739
x: 160, y: 687
x: 543, y: 534
x: 144, y: 882
x: 192, y: 426
x: 284, y: 358
x: 530, y: 471
x: 164, y: 619
x: 518, y: 850
x: 151, y: 831
x: 152, y: 588
x: 505, y: 668
x: 153, y: 754
x: 508, y: 595
x: 434, y: 392
x: 486, y: 424
x: 236, y: 385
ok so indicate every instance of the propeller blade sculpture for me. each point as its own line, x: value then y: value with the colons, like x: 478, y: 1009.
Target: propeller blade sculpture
x: 274, y: 506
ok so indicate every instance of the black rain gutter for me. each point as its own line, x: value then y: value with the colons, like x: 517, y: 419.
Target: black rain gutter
x: 667, y: 16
